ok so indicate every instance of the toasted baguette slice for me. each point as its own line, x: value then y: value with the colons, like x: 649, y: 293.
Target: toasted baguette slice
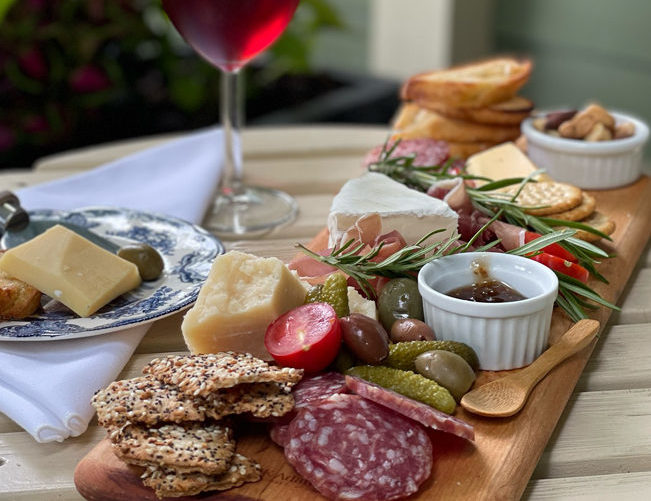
x: 413, y: 122
x: 510, y: 112
x: 17, y: 299
x: 474, y: 85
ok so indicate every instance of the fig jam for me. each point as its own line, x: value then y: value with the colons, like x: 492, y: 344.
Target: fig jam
x: 488, y: 291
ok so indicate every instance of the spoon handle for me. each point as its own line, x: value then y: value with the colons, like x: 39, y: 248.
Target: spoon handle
x: 575, y: 339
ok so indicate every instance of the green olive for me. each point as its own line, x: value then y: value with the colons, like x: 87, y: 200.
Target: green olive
x: 146, y: 258
x: 399, y: 298
x: 448, y: 369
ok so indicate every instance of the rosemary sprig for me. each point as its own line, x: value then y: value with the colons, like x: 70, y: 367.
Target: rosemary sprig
x: 494, y: 205
x: 406, y: 262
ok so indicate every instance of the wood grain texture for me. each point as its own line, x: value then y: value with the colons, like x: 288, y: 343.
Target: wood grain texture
x: 506, y: 450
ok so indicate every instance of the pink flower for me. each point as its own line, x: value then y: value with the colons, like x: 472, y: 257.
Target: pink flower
x: 35, y: 124
x: 36, y: 4
x: 7, y: 138
x: 33, y: 63
x: 89, y: 79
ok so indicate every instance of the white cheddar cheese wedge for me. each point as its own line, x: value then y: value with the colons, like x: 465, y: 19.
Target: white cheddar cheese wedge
x: 502, y: 162
x: 241, y: 297
x: 412, y: 213
x: 71, y: 269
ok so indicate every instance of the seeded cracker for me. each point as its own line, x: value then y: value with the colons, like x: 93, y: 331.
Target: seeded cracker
x: 168, y: 483
x: 204, y: 374
x: 261, y: 400
x: 149, y: 401
x: 198, y: 447
x: 548, y: 197
x: 145, y: 400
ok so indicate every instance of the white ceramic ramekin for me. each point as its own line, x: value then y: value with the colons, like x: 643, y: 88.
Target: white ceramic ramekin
x: 589, y: 165
x: 504, y: 335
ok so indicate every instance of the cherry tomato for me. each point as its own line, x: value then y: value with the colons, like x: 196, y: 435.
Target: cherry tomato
x: 307, y: 337
x: 553, y: 249
x: 563, y: 266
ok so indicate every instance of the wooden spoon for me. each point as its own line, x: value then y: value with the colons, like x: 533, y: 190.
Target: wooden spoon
x: 506, y: 396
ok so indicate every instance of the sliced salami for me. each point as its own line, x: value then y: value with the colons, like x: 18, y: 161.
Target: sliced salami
x: 422, y: 413
x: 309, y: 391
x: 348, y: 447
x: 312, y: 389
x: 279, y: 433
x: 428, y: 152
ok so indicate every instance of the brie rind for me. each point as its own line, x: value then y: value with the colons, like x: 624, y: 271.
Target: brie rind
x: 412, y: 213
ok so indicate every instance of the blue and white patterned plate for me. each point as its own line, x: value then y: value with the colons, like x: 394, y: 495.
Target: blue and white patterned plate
x: 187, y: 250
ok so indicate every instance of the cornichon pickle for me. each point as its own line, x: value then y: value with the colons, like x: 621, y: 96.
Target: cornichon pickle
x: 402, y: 355
x: 334, y: 291
x: 407, y: 383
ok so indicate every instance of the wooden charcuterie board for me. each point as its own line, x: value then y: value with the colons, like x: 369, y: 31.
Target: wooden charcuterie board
x: 499, y: 463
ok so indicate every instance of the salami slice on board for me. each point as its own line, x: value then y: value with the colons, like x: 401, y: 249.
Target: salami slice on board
x: 422, y: 413
x: 348, y: 447
x: 426, y: 152
x: 312, y: 389
x: 309, y: 391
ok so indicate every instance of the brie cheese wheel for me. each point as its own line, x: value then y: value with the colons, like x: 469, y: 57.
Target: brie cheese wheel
x: 412, y: 213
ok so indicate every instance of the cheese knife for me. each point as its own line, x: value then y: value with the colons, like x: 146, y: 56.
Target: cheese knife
x: 16, y: 226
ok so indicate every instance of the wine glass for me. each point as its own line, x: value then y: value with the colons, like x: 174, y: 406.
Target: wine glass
x: 229, y: 33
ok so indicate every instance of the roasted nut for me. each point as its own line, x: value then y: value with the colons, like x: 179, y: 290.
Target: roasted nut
x: 599, y: 133
x: 539, y: 123
x: 554, y: 119
x: 584, y: 121
x: 626, y: 129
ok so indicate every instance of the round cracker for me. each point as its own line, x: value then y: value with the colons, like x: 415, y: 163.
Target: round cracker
x: 582, y: 211
x: 548, y: 197
x: 599, y: 222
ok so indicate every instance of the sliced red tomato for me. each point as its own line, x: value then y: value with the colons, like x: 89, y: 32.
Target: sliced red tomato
x: 307, y: 337
x: 563, y: 266
x: 553, y: 249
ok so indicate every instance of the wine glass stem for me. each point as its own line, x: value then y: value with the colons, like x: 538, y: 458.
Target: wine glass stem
x: 230, y: 183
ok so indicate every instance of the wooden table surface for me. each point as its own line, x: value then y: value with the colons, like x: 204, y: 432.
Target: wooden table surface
x: 601, y: 448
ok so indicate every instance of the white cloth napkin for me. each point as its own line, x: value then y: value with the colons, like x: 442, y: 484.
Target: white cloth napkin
x: 46, y: 386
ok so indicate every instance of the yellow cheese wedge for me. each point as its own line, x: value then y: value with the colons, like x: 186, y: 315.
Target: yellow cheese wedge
x: 241, y: 297
x: 71, y: 269
x: 502, y: 162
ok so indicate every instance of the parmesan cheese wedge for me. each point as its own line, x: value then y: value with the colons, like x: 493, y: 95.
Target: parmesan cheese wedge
x: 241, y: 297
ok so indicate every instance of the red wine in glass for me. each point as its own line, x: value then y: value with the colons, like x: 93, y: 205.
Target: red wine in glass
x: 229, y: 33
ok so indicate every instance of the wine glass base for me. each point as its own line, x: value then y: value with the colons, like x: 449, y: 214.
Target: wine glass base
x: 254, y: 210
